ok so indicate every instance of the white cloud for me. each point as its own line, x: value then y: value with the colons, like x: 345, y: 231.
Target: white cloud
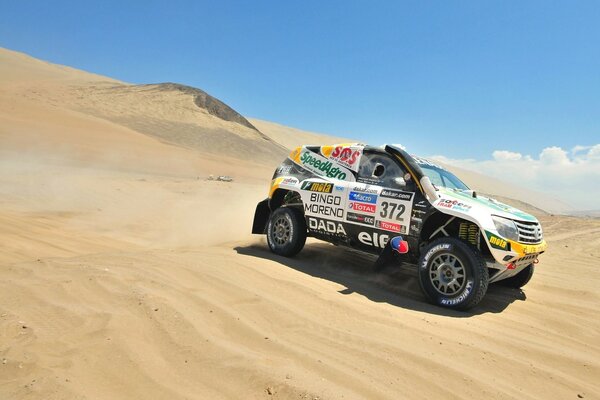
x: 554, y: 156
x: 572, y: 176
x: 503, y: 155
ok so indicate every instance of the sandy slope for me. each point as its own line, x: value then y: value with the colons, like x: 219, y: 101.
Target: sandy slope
x: 123, y: 275
x: 184, y: 304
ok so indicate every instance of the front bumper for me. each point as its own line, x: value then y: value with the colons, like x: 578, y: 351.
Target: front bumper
x: 510, y: 263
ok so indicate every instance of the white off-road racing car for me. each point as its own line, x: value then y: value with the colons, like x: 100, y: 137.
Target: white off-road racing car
x: 384, y: 201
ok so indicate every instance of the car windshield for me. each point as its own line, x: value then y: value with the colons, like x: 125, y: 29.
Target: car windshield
x: 442, y: 178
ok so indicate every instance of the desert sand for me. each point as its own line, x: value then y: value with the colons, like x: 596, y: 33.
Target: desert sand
x: 126, y: 274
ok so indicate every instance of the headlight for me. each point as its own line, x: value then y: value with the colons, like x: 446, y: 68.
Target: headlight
x: 506, y: 228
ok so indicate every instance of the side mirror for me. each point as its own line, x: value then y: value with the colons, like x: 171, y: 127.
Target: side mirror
x: 400, y: 182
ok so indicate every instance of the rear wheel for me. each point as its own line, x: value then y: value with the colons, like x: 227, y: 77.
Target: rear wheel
x: 519, y: 280
x: 452, y: 274
x: 286, y: 231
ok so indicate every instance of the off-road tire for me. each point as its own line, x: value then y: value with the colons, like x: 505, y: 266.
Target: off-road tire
x: 519, y: 280
x: 452, y: 274
x: 286, y: 231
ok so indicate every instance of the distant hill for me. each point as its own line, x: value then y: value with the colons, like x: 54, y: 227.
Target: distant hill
x: 172, y: 113
x: 50, y: 109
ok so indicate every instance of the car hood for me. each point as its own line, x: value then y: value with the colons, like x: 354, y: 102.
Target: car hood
x: 463, y: 202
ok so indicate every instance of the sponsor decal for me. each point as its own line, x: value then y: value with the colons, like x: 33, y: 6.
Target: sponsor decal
x: 321, y: 209
x: 363, y: 197
x: 399, y: 245
x: 389, y: 226
x: 347, y: 156
x: 317, y: 186
x: 360, y: 218
x: 454, y: 205
x: 368, y: 181
x: 326, y: 226
x: 497, y: 243
x: 362, y: 207
x: 325, y: 198
x: 284, y: 169
x: 423, y: 161
x: 364, y: 189
x: 393, y: 211
x: 396, y: 194
x: 461, y: 298
x: 443, y: 246
x: 324, y: 204
x: 421, y: 204
x: 338, y: 188
x: 321, y: 166
x: 374, y: 239
x: 290, y: 181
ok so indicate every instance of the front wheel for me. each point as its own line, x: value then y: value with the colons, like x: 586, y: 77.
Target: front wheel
x: 452, y: 274
x: 286, y: 231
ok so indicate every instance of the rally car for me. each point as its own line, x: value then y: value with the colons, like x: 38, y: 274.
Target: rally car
x: 400, y: 207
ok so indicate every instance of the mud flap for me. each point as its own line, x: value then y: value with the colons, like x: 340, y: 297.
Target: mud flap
x: 261, y: 216
x: 395, y: 245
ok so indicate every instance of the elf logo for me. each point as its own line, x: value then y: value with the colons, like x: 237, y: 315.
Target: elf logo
x: 374, y: 239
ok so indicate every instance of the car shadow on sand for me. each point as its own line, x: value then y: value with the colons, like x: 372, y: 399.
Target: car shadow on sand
x: 396, y: 285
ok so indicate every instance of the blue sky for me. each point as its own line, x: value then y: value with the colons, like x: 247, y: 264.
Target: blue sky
x: 460, y: 79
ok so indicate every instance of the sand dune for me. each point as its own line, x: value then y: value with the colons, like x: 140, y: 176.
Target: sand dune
x: 125, y: 274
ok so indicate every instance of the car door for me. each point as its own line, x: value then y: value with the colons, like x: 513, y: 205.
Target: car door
x: 380, y: 203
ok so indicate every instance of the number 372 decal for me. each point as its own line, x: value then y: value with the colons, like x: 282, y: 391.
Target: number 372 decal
x: 391, y: 210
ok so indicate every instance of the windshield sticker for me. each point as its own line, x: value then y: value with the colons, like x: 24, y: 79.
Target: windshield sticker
x: 423, y: 161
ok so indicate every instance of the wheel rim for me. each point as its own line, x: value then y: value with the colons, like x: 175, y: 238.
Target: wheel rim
x: 447, y: 274
x: 281, y: 232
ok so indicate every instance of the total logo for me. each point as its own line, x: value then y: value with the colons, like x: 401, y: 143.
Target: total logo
x: 389, y: 226
x: 362, y: 207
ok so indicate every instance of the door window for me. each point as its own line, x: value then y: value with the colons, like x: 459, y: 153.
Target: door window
x: 382, y: 170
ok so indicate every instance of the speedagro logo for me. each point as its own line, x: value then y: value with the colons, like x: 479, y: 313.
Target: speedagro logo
x: 319, y: 166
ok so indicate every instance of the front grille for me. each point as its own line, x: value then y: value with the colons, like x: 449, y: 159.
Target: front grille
x: 529, y: 232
